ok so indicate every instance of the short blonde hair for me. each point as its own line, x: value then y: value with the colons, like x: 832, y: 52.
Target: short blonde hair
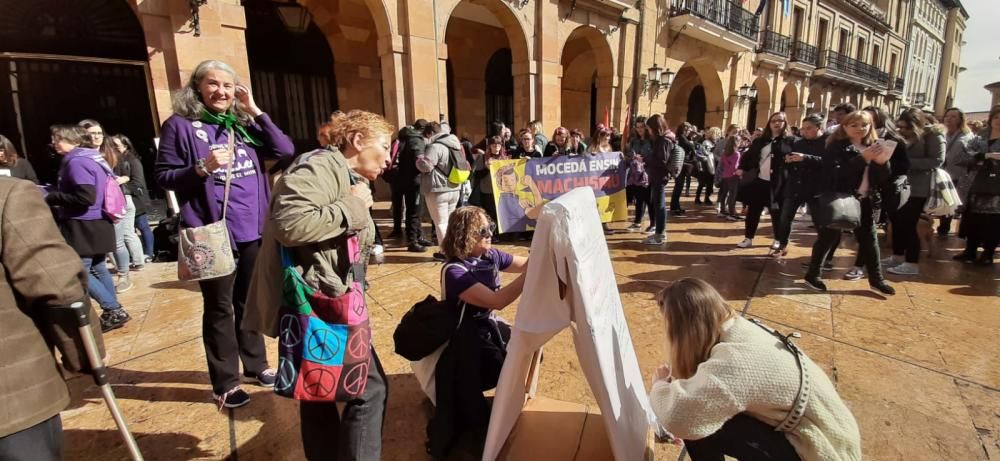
x: 694, y: 313
x: 462, y: 236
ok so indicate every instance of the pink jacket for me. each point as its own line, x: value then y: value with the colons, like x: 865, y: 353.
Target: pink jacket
x: 730, y: 163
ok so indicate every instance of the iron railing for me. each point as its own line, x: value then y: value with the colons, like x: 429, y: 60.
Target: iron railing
x: 725, y: 13
x: 919, y: 99
x: 775, y: 43
x: 804, y: 53
x: 898, y: 86
x: 848, y: 65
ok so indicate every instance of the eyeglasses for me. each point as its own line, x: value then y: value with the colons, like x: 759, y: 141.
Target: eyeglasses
x: 489, y: 230
x: 96, y: 133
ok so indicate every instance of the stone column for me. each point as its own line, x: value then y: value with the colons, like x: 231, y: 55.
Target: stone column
x: 391, y: 54
x: 420, y: 66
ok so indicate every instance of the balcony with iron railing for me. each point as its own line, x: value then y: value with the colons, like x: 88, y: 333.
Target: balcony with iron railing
x: 724, y: 13
x: 804, y: 53
x: 867, y: 7
x: 775, y: 43
x: 919, y: 99
x: 897, y: 85
x: 850, y: 70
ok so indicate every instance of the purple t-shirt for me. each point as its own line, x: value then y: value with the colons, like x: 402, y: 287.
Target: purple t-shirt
x: 77, y: 170
x: 484, y: 269
x: 185, y: 141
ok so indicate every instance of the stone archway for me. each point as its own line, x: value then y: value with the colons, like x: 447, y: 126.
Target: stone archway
x: 790, y: 104
x: 683, y: 98
x: 760, y: 108
x: 475, y: 31
x: 65, y: 61
x: 360, y: 35
x: 587, y: 83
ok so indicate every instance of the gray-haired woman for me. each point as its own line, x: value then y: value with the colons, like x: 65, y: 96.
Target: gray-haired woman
x: 193, y: 161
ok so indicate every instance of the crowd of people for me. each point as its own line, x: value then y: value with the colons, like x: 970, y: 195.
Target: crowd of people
x: 315, y: 229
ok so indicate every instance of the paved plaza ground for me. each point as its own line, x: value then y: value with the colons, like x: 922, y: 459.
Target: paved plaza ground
x: 919, y: 370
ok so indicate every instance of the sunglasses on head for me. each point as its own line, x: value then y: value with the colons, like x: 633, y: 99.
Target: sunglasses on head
x: 489, y: 230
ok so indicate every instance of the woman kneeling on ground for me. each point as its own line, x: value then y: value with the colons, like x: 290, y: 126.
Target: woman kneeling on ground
x: 471, y: 362
x: 731, y: 383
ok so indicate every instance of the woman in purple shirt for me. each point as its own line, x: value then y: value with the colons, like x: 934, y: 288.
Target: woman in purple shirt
x: 78, y: 204
x: 192, y: 161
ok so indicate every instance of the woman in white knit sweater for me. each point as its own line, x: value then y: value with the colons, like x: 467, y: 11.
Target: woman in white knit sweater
x: 730, y: 383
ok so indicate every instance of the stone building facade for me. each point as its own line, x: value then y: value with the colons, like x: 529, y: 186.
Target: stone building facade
x: 565, y: 62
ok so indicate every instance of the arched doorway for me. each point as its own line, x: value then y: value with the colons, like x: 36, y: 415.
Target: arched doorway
x: 790, y: 104
x: 292, y: 72
x: 760, y: 107
x: 587, y: 80
x: 696, y: 96
x: 69, y: 60
x: 499, y: 89
x: 696, y: 107
x: 485, y: 43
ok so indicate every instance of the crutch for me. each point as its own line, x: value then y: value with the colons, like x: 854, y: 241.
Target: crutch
x: 82, y: 313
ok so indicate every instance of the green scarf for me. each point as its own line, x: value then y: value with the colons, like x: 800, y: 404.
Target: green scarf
x: 229, y: 122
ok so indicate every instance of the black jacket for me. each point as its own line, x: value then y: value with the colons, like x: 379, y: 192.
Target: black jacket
x: 658, y: 164
x: 755, y: 193
x: 411, y: 144
x: 521, y: 153
x: 844, y: 169
x: 801, y: 177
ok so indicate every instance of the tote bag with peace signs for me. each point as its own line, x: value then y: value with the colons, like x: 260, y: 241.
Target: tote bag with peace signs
x: 324, y: 343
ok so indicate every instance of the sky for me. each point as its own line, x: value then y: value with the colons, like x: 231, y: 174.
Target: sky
x: 980, y: 56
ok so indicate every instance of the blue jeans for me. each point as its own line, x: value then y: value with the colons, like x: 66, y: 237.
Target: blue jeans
x: 145, y: 234
x: 658, y: 206
x: 128, y: 248
x: 100, y: 285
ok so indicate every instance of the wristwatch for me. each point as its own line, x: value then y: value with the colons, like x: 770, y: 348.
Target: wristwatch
x: 199, y: 166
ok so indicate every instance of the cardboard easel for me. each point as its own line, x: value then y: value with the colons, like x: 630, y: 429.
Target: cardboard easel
x: 571, y: 282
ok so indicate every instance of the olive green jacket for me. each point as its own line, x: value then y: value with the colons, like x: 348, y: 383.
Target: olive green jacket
x: 312, y: 214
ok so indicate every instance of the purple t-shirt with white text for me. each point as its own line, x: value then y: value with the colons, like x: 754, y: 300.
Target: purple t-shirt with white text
x: 484, y: 269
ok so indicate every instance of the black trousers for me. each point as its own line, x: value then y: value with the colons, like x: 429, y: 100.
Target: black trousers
x: 357, y: 434
x: 640, y: 196
x: 409, y: 197
x: 868, y: 252
x: 397, y: 207
x: 745, y: 438
x: 706, y: 182
x: 904, y: 229
x: 783, y: 224
x: 754, y: 211
x: 225, y: 342
x: 679, y: 183
x: 41, y: 442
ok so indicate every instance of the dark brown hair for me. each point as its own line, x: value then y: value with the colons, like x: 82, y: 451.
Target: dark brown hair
x: 658, y: 125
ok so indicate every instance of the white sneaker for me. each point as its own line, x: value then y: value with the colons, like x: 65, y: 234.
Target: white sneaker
x: 775, y: 245
x: 654, y: 240
x: 378, y: 249
x: 891, y: 261
x: 746, y: 243
x: 905, y: 269
x: 856, y: 273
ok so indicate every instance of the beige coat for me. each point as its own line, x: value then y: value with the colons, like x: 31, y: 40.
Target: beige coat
x: 312, y: 213
x: 39, y: 273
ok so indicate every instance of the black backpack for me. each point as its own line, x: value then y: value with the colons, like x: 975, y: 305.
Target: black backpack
x: 427, y: 325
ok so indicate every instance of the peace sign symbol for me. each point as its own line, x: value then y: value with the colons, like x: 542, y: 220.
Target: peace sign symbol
x: 356, y: 379
x: 323, y: 345
x: 358, y: 344
x: 290, y: 330
x: 319, y: 382
x: 286, y: 376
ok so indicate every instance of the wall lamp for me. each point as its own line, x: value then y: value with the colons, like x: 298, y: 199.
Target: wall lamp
x: 195, y: 5
x: 746, y: 93
x: 657, y: 80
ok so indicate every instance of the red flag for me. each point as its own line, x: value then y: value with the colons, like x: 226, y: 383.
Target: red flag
x: 607, y: 118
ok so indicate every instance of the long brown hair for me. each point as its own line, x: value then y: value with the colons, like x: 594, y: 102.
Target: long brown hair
x: 657, y: 125
x: 730, y: 147
x: 694, y: 313
x: 9, y: 153
x: 107, y: 149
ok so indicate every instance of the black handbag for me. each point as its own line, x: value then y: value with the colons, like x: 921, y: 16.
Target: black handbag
x: 836, y: 210
x: 749, y: 176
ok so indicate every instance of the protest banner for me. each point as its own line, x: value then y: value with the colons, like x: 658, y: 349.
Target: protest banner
x: 521, y: 187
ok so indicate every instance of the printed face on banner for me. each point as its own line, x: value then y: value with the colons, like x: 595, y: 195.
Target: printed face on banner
x: 521, y: 187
